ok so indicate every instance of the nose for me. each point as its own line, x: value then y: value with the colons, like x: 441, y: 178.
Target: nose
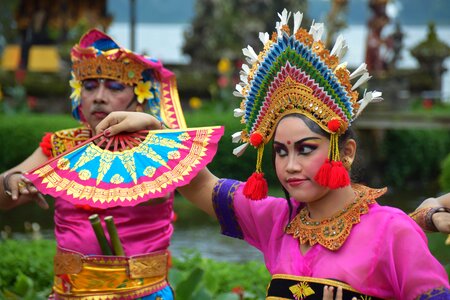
x: 100, y: 93
x: 293, y: 164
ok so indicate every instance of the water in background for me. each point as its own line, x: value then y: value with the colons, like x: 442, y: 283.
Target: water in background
x: 165, y: 42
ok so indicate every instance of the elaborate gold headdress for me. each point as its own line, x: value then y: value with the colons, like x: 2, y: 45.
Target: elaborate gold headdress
x: 97, y: 55
x: 295, y: 73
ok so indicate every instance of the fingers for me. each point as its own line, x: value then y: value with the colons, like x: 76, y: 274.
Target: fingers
x: 40, y: 200
x: 339, y: 295
x: 117, y: 122
x: 111, y: 119
x: 21, y: 185
x: 328, y: 292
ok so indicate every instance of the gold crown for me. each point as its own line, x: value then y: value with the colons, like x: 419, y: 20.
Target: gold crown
x: 123, y: 69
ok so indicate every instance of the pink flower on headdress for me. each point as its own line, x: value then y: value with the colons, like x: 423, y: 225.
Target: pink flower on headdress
x: 76, y: 88
x: 142, y: 91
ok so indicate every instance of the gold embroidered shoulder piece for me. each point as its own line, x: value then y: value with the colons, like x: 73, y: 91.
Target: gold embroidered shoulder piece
x: 332, y: 232
x: 64, y: 140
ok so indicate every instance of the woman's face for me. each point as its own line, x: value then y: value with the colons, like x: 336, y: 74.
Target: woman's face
x: 99, y: 97
x: 299, y: 154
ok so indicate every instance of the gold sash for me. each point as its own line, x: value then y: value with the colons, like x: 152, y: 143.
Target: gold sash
x: 81, y: 277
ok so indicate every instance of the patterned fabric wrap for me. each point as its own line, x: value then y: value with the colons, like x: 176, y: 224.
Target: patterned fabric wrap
x: 98, y: 56
x: 164, y: 160
x: 223, y: 205
x: 442, y: 293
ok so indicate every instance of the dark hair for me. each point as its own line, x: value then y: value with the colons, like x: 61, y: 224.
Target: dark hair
x: 349, y: 134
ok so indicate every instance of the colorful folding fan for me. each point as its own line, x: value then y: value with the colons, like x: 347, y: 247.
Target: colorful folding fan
x: 127, y: 169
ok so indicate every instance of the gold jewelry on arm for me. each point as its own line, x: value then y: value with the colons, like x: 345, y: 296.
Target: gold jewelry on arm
x: 424, y: 217
x: 6, y: 187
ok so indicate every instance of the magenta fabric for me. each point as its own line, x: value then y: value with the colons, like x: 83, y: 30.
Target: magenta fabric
x: 142, y: 229
x: 386, y: 254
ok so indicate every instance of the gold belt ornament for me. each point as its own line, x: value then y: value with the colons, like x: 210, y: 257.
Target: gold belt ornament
x: 283, y: 287
x: 83, y: 277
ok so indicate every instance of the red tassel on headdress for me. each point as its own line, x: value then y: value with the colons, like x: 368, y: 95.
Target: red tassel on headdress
x: 323, y: 176
x: 332, y: 173
x: 256, y: 187
x: 339, y: 176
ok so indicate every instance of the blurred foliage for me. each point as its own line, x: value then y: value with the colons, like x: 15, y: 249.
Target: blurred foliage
x: 413, y: 157
x: 410, y: 157
x: 222, y: 28
x: 21, y: 134
x: 191, y: 276
x: 444, y: 178
x: 22, y: 277
x: 8, y: 29
x: 218, y: 279
x: 38, y: 84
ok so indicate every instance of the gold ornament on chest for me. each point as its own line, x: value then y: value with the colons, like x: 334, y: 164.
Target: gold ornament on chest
x: 332, y: 232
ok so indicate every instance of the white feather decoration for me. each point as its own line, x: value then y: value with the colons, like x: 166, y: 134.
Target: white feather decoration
x: 363, y: 79
x: 264, y: 37
x: 238, y: 91
x: 237, y: 112
x: 359, y: 71
x: 244, y: 78
x: 338, y: 45
x: 245, y: 69
x: 316, y: 31
x: 250, y: 54
x: 236, y: 137
x: 238, y: 151
x: 284, y: 17
x: 298, y: 17
x: 278, y: 28
x: 374, y: 96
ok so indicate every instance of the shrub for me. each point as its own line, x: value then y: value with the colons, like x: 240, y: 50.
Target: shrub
x: 444, y: 178
x: 413, y: 157
x: 191, y: 276
x: 22, y: 133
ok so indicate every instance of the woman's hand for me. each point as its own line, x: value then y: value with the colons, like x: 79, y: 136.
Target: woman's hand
x: 328, y: 293
x: 20, y: 187
x: 440, y: 219
x: 125, y: 121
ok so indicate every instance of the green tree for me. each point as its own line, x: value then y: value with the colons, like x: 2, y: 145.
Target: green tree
x: 222, y: 28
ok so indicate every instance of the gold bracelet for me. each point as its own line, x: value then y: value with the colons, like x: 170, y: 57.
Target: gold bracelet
x: 6, y: 188
x: 424, y: 217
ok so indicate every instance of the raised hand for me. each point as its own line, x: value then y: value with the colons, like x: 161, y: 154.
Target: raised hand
x: 124, y: 121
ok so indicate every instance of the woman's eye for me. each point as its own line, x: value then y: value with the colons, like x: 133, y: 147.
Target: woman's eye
x: 90, y: 84
x: 280, y: 151
x: 115, y: 85
x: 306, y: 149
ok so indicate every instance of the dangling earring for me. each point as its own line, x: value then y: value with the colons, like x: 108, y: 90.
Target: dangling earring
x: 347, y: 163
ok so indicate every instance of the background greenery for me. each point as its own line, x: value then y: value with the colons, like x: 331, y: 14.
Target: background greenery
x: 410, y: 158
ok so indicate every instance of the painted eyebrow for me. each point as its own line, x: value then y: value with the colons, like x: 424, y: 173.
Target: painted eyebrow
x: 299, y: 141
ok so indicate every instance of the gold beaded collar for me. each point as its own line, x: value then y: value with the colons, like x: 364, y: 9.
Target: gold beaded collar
x: 332, y: 232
